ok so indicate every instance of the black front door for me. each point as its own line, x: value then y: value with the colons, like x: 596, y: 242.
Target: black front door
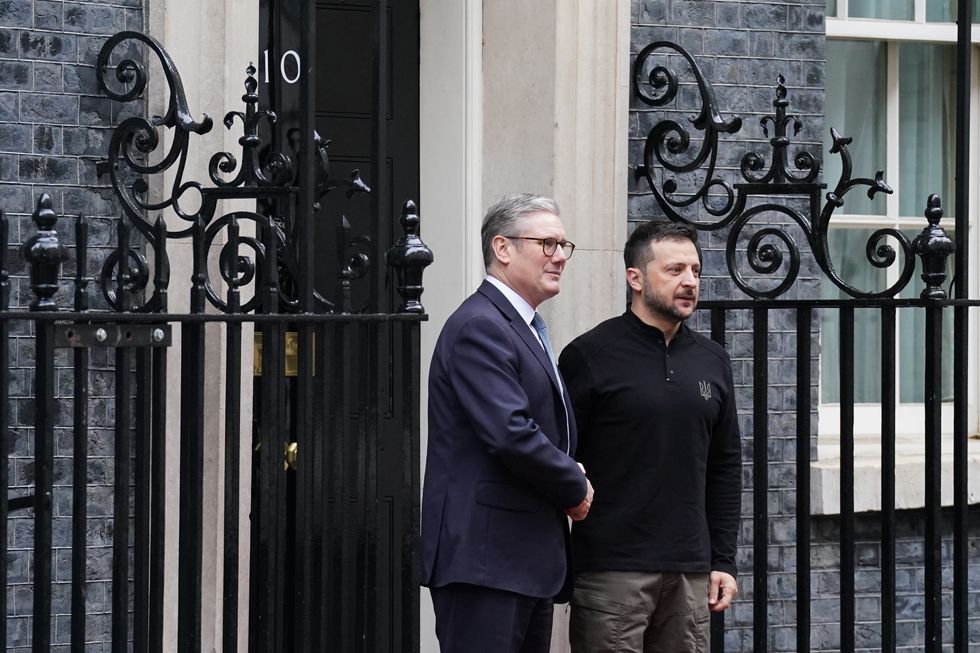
x: 350, y: 579
x: 367, y: 106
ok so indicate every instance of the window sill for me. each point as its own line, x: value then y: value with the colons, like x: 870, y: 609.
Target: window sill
x: 825, y: 473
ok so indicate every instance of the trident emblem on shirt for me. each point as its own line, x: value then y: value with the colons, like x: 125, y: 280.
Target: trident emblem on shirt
x: 705, y: 389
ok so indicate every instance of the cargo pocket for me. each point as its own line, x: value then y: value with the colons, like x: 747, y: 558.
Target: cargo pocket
x: 702, y: 630
x: 596, y: 623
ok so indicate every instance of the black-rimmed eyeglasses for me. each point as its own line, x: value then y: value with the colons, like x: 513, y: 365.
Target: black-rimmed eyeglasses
x: 549, y: 245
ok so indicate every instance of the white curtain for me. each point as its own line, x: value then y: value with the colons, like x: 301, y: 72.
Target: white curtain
x: 912, y: 341
x: 944, y: 11
x: 884, y: 9
x: 847, y: 250
x: 855, y: 106
x: 926, y: 115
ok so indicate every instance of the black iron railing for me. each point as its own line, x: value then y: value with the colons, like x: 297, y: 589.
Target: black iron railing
x: 362, y: 376
x: 680, y: 166
x: 333, y: 533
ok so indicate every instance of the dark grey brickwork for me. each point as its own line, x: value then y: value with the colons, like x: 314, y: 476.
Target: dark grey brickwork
x: 53, y: 125
x: 741, y: 46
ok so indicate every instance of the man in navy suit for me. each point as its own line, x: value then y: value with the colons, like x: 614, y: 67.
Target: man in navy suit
x: 500, y: 477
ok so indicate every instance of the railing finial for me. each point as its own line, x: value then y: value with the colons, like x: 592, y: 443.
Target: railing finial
x: 933, y: 246
x: 409, y: 257
x: 45, y: 253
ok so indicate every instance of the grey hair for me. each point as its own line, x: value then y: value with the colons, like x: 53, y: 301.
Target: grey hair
x: 504, y: 217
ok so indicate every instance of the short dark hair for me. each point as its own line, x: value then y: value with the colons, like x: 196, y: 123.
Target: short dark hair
x: 638, y: 252
x: 504, y: 218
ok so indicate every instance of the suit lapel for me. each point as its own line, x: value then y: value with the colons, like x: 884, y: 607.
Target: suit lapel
x: 522, y: 329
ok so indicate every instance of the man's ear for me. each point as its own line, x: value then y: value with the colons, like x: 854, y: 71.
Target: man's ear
x: 635, y: 279
x: 501, y: 248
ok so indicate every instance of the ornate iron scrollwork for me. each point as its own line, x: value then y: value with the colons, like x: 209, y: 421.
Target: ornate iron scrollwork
x: 276, y: 170
x: 669, y: 140
x: 257, y: 173
x: 136, y: 138
x: 666, y: 158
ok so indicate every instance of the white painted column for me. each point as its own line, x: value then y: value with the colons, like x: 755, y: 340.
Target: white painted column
x: 545, y: 113
x: 591, y: 159
x: 591, y: 163
x: 450, y: 162
x: 556, y: 81
x: 211, y: 43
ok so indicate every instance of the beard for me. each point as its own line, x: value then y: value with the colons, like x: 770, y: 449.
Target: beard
x: 665, y: 306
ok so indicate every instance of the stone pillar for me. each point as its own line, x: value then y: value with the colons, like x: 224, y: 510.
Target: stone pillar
x: 556, y: 104
x: 555, y: 101
x: 451, y: 201
x: 211, y: 44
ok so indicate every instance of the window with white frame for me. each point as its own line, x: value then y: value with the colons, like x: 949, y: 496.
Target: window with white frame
x: 890, y: 85
x: 897, y: 100
x: 928, y: 11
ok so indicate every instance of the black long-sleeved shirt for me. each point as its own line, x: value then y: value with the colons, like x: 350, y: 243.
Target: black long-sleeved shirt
x: 659, y: 439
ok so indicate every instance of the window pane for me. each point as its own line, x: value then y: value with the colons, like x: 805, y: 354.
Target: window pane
x: 941, y: 11
x: 887, y: 9
x: 855, y: 106
x: 927, y: 117
x: 847, y: 252
x: 912, y: 339
x: 944, y: 11
x: 832, y: 8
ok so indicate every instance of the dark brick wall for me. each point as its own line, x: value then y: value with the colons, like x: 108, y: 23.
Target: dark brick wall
x: 54, y: 124
x: 741, y: 46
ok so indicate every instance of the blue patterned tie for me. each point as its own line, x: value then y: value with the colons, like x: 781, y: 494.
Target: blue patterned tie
x: 538, y: 323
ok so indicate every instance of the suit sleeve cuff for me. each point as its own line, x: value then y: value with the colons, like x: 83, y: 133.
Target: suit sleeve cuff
x: 581, y: 493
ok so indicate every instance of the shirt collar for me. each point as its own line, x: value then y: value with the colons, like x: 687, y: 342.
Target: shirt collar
x: 634, y: 319
x: 525, y: 310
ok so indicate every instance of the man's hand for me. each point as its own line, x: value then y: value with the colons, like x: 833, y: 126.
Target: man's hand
x: 727, y: 587
x: 579, y: 512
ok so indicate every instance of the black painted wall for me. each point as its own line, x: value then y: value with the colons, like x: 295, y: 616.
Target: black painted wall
x: 54, y: 125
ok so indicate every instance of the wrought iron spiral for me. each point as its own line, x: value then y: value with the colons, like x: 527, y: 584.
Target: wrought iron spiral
x: 136, y: 138
x: 669, y: 140
x: 243, y: 272
x: 765, y: 257
x: 136, y: 274
x: 667, y: 154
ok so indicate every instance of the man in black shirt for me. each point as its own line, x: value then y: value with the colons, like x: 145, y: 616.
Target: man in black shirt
x: 658, y: 434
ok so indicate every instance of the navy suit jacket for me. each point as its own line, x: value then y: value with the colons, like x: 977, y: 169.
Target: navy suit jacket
x: 497, y: 478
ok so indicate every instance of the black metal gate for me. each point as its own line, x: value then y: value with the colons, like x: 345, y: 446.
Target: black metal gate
x: 335, y: 408
x: 778, y: 201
